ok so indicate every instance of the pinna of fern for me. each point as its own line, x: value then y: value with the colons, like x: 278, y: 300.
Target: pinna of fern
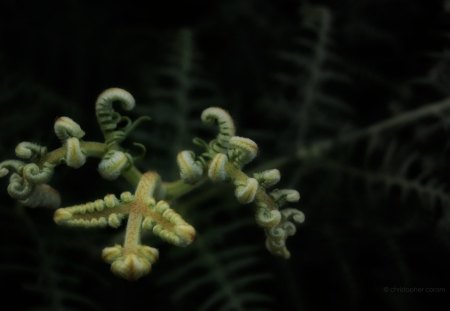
x: 149, y: 207
x: 223, y: 159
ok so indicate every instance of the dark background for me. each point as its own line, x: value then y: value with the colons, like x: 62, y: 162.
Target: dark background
x: 293, y: 74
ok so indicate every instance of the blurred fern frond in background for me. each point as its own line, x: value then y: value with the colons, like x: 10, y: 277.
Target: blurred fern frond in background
x: 38, y: 267
x: 177, y: 91
x: 314, y: 72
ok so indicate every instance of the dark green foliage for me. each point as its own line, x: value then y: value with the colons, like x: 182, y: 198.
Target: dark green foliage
x: 335, y: 95
x: 38, y: 266
x: 177, y: 90
x: 313, y: 74
x: 228, y: 275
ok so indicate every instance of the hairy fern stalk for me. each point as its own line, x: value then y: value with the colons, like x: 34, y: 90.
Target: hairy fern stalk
x: 150, y: 208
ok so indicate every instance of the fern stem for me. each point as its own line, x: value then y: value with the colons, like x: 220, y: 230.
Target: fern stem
x: 132, y: 175
x: 179, y: 188
x: 433, y: 109
x: 323, y: 146
x: 309, y: 92
x: 146, y: 188
x: 423, y: 190
x: 90, y: 148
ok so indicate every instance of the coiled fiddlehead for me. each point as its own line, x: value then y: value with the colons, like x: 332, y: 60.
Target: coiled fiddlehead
x: 191, y: 170
x: 113, y: 164
x: 277, y: 235
x: 66, y: 128
x: 216, y: 171
x: 19, y: 188
x: 30, y: 151
x: 149, y: 207
x: 223, y: 159
x: 25, y: 177
x: 11, y: 165
x: 106, y: 116
x: 192, y: 167
x: 108, y: 119
x: 70, y: 133
x: 242, y: 150
x: 269, y: 178
x: 38, y: 175
x: 246, y: 192
x: 215, y: 115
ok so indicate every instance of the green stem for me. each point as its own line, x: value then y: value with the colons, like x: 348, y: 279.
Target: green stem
x: 178, y: 188
x: 94, y: 150
x: 90, y: 148
x: 132, y: 175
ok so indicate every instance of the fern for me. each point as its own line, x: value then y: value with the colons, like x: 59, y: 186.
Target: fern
x: 439, y: 75
x: 178, y: 90
x: 402, y: 174
x: 314, y: 67
x: 42, y: 269
x: 231, y: 274
x: 21, y: 92
x: 217, y: 274
x: 363, y: 135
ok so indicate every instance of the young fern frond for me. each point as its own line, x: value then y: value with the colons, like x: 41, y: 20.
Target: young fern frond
x: 148, y: 208
x: 132, y: 260
x: 223, y: 159
x: 378, y: 213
